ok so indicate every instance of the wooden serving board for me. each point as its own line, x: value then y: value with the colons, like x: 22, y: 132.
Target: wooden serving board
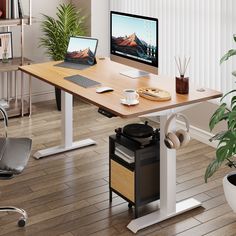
x: 154, y: 94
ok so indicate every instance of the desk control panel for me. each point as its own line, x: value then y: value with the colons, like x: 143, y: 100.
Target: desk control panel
x: 106, y: 113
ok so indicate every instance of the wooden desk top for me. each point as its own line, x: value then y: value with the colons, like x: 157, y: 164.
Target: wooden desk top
x: 108, y: 74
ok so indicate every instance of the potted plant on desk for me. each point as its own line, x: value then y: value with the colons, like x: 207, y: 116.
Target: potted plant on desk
x: 57, y: 32
x: 226, y: 149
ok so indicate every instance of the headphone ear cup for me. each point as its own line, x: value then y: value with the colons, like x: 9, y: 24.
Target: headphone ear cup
x: 169, y: 144
x: 173, y: 140
x: 183, y: 137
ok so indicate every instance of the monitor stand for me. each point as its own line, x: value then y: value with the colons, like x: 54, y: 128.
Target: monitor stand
x: 134, y: 73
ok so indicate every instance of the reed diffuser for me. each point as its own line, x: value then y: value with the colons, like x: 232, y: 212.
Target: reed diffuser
x: 182, y: 82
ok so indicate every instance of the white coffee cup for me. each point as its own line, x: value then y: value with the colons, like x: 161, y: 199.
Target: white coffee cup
x: 130, y: 96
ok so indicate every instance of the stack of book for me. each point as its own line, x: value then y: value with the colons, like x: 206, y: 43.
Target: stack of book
x: 124, y: 153
x: 11, y: 9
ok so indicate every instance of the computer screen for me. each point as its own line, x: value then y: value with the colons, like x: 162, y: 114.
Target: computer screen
x: 81, y: 50
x: 134, y: 37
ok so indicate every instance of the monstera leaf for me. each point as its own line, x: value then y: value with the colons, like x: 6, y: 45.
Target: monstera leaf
x: 212, y: 168
x: 227, y: 146
x: 217, y: 116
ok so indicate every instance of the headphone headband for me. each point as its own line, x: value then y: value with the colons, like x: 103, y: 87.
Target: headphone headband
x: 176, y: 115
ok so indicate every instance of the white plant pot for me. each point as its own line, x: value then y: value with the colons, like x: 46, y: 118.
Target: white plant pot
x: 230, y: 191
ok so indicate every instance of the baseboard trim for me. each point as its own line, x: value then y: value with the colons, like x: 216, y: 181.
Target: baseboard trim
x: 198, y: 134
x: 41, y: 96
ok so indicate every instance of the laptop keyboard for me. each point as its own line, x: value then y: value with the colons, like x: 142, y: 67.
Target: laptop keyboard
x: 71, y: 65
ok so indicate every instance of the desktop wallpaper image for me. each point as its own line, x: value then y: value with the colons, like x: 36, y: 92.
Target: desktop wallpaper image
x: 134, y: 37
x: 81, y: 50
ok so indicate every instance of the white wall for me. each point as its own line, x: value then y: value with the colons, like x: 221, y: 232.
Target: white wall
x: 40, y: 90
x: 100, y: 26
x: 97, y: 12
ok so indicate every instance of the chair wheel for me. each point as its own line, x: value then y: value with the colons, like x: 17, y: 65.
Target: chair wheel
x: 21, y: 222
x: 130, y: 205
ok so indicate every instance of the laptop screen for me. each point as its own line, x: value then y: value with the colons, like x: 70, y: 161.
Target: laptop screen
x: 81, y: 50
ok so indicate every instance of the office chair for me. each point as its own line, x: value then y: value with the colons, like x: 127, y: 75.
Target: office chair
x: 14, y: 155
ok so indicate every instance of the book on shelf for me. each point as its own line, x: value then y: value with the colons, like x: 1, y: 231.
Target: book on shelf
x: 14, y: 9
x: 11, y: 9
x: 124, y: 153
x: 123, y: 157
x: 4, y: 8
x: 20, y: 8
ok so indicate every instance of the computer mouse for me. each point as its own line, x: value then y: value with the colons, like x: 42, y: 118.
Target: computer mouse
x: 104, y: 89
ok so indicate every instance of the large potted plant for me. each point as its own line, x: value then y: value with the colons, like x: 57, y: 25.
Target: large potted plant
x: 57, y: 32
x: 226, y: 149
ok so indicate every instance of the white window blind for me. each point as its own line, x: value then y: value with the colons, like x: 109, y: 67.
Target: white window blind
x: 202, y: 29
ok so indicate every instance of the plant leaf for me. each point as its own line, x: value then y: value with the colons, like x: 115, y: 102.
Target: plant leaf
x: 234, y: 73
x: 227, y: 146
x: 211, y: 169
x: 217, y: 116
x: 233, y: 102
x: 234, y: 36
x: 232, y: 120
x: 229, y: 54
x: 232, y: 91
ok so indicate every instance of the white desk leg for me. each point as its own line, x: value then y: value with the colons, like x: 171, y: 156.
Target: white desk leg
x: 67, y: 130
x: 168, y: 205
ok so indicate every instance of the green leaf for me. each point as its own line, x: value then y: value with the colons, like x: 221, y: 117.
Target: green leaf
x: 232, y: 91
x: 217, y: 116
x: 212, y: 168
x: 233, y: 102
x: 227, y: 146
x: 234, y: 73
x: 232, y: 120
x: 234, y: 36
x: 229, y: 54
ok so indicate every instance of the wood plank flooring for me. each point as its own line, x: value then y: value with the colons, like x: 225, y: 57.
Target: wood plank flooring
x: 67, y: 194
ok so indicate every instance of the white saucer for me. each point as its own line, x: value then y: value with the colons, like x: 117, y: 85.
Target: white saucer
x: 124, y: 102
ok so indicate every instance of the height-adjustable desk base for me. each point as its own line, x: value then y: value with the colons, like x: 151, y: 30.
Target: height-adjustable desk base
x: 61, y: 149
x: 67, y: 143
x: 158, y: 216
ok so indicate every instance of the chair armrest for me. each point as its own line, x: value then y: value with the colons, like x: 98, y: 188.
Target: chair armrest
x: 5, y: 118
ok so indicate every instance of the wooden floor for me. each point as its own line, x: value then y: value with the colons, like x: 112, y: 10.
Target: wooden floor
x: 67, y: 194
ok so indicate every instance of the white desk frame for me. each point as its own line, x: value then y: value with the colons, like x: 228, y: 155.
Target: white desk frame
x: 168, y: 206
x: 67, y: 143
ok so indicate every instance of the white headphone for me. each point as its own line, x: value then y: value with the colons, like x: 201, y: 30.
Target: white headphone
x: 178, y: 138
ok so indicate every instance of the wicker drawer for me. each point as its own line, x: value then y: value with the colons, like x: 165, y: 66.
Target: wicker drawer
x: 122, y: 180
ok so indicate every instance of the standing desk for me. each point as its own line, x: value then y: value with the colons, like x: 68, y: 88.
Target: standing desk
x: 108, y: 74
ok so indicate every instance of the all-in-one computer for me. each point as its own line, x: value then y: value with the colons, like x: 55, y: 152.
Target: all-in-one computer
x: 134, y: 42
